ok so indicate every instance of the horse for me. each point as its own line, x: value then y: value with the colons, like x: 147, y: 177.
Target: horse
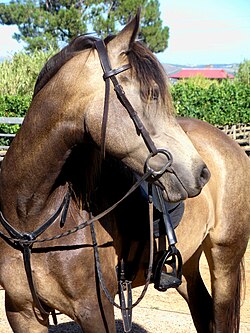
x: 41, y: 196
x: 218, y: 220
x: 215, y: 222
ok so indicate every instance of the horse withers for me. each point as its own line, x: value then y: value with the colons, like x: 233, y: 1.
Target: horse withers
x: 41, y: 193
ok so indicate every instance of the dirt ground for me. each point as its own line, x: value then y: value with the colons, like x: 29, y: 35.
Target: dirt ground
x: 158, y: 312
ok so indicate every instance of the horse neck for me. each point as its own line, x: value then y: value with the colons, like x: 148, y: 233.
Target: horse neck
x: 34, y: 162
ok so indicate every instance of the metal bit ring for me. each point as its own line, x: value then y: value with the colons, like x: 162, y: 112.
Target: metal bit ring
x: 165, y: 167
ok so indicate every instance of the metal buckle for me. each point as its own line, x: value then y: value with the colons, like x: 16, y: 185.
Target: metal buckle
x: 126, y: 304
x: 165, y: 167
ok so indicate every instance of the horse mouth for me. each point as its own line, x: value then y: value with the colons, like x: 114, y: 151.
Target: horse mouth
x: 169, y: 196
x: 176, y: 191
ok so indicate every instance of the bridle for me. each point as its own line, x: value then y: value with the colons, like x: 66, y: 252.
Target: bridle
x: 24, y: 241
x: 110, y: 74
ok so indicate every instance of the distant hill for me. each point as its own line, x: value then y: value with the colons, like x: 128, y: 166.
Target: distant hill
x: 174, y: 68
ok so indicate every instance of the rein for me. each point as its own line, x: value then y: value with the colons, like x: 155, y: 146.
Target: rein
x: 22, y: 238
x: 126, y: 306
x: 24, y: 241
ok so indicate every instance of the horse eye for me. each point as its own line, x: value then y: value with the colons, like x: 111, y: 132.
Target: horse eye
x: 155, y: 93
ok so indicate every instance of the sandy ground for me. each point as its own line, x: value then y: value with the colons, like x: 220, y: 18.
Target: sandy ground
x: 158, y: 312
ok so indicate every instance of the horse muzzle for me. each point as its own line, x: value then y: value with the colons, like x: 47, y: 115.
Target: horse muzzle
x: 177, y: 182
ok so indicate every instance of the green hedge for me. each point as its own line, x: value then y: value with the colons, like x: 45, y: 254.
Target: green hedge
x: 218, y: 104
x: 222, y: 103
x: 19, y: 74
x: 12, y: 106
x: 17, y: 80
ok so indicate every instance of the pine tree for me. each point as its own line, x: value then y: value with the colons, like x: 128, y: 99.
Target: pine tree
x: 47, y: 23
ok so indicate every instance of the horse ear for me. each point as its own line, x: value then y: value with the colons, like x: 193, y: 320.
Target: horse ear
x: 126, y: 37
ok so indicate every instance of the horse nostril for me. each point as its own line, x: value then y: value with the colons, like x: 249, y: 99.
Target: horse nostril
x: 204, y: 176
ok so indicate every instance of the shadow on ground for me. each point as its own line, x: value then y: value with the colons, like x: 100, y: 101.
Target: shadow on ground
x: 72, y: 327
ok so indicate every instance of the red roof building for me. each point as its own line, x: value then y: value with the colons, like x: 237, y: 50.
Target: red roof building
x: 209, y: 73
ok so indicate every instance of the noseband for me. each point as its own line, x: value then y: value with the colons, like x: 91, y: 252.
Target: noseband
x: 110, y: 74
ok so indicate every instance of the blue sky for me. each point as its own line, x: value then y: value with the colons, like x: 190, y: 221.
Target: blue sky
x: 201, y: 32
x: 206, y: 32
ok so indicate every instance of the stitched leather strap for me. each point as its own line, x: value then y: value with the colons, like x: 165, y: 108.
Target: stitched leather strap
x: 110, y: 73
x: 26, y: 247
x: 34, y: 234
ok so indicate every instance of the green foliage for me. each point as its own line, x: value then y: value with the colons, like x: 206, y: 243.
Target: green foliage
x: 220, y: 104
x: 18, y: 75
x: 199, y: 81
x: 12, y: 106
x: 42, y: 23
x: 243, y: 74
x: 17, y: 80
x: 152, y: 33
x: 45, y: 23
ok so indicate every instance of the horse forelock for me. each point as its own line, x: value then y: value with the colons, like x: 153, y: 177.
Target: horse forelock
x: 149, y: 72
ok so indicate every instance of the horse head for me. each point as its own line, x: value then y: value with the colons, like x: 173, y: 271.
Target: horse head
x: 145, y: 86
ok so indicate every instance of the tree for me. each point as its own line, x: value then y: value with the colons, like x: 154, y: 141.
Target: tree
x: 46, y: 23
x: 243, y: 74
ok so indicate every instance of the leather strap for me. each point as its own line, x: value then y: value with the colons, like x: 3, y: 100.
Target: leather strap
x: 126, y: 307
x: 34, y: 234
x: 28, y: 270
x: 110, y: 73
x: 172, y: 240
x: 22, y: 238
